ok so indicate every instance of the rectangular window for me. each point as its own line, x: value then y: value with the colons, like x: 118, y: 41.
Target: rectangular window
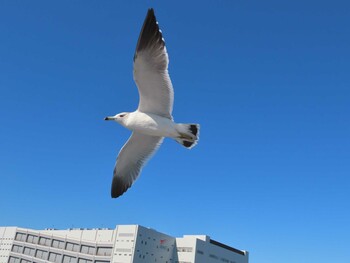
x: 25, y: 261
x: 32, y: 239
x: 87, y: 250
x: 72, y: 247
x: 84, y: 249
x: 184, y: 249
x: 54, y: 257
x: 42, y: 241
x: 21, y: 237
x: 66, y: 259
x: 41, y: 254
x: 69, y: 259
x: 29, y: 251
x: 48, y: 242
x: 104, y: 251
x: 83, y: 260
x: 57, y: 244
x: 14, y: 260
x: 69, y: 246
x: 45, y: 241
x: 17, y: 249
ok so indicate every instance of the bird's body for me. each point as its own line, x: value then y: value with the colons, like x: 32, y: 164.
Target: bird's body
x: 150, y: 124
x: 153, y: 119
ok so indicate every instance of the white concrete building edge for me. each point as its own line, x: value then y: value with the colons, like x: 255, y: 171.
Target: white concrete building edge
x: 124, y: 244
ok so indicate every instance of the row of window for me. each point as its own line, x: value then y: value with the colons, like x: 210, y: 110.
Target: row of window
x: 17, y: 260
x: 101, y: 251
x: 53, y: 257
x: 222, y: 259
x: 66, y: 259
x: 184, y: 249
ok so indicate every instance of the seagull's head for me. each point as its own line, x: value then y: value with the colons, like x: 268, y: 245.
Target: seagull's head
x: 120, y: 117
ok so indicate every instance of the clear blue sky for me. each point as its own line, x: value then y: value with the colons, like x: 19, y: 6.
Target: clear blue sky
x: 267, y: 80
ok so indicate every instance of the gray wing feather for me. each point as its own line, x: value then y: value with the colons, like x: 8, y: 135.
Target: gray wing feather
x: 132, y: 157
x: 151, y: 70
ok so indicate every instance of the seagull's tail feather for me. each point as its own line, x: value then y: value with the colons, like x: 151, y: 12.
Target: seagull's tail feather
x: 188, y: 134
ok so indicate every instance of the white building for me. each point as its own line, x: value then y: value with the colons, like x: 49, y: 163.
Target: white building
x: 124, y: 244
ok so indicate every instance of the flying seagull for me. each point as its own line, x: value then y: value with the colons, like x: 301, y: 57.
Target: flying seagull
x: 152, y: 121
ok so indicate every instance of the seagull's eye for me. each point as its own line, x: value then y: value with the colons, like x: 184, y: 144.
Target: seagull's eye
x: 121, y: 115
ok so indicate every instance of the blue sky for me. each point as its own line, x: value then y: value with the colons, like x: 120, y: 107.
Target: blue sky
x: 268, y: 82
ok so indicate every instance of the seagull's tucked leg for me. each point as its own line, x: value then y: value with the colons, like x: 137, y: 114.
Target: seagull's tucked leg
x: 189, y: 134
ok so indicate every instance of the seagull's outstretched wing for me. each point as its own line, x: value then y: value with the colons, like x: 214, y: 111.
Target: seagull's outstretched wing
x: 151, y: 70
x: 136, y: 151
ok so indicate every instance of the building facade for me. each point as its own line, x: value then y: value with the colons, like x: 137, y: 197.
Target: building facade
x: 124, y: 244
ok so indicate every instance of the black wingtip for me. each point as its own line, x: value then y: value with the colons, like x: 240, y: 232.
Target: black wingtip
x: 150, y: 35
x: 118, y: 187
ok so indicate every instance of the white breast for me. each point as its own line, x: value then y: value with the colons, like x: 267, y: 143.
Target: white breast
x: 151, y: 124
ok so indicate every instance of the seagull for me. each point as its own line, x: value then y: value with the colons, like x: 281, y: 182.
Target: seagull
x: 153, y: 120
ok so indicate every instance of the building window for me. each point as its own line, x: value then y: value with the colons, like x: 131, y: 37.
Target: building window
x: 104, y: 251
x: 17, y: 249
x: 83, y: 260
x: 184, y: 249
x: 101, y: 261
x: 21, y: 237
x: 87, y: 250
x: 29, y: 251
x: 32, y: 239
x: 54, y: 257
x: 124, y: 250
x: 69, y: 259
x: 72, y: 247
x: 200, y: 252
x: 45, y: 241
x: 14, y: 260
x: 41, y: 254
x: 25, y: 261
x: 57, y: 244
x: 213, y: 256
